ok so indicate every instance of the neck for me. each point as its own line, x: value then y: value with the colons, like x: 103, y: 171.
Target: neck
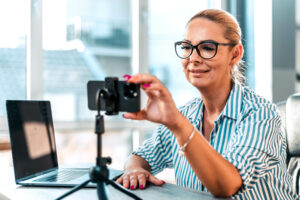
x: 215, y: 99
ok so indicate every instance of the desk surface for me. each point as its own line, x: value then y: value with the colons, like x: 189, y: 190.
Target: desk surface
x: 9, y: 190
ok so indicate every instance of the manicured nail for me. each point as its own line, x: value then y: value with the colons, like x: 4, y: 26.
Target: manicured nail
x: 146, y: 85
x: 141, y: 187
x: 126, y: 77
x: 163, y: 182
x: 132, y: 187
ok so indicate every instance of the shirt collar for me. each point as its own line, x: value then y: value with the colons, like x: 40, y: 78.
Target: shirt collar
x: 231, y: 109
x: 234, y: 102
x: 196, y: 112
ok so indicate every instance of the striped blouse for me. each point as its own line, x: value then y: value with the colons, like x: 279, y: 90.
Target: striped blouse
x: 247, y: 133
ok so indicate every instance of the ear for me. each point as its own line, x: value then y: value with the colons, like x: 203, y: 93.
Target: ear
x: 237, y: 54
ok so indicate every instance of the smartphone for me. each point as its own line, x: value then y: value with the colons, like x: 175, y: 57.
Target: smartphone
x: 126, y: 95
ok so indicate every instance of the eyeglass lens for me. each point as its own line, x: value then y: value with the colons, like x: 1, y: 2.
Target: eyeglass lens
x: 207, y: 50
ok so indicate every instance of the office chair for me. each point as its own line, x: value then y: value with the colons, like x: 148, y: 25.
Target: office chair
x: 290, y: 112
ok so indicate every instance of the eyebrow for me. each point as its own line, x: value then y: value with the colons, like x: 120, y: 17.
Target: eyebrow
x: 209, y: 40
x: 185, y: 40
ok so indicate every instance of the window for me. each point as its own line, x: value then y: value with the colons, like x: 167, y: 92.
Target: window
x: 261, y: 68
x: 14, y: 16
x: 82, y: 41
x: 90, y: 39
x: 167, y: 21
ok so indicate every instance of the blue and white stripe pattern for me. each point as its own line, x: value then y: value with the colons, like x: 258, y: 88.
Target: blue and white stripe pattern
x: 247, y: 133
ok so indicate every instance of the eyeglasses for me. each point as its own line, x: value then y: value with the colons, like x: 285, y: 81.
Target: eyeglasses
x: 206, y: 49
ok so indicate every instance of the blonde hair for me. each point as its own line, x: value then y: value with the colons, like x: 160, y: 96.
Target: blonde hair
x: 232, y: 33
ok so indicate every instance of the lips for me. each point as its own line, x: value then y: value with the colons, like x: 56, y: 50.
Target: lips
x: 197, y: 71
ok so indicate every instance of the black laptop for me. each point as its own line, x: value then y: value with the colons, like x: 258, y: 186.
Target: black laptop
x: 34, y: 150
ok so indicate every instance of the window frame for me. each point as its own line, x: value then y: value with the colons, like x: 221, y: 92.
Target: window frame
x: 35, y: 61
x: 34, y: 56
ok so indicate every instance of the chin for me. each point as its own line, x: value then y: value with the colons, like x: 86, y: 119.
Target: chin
x: 198, y: 83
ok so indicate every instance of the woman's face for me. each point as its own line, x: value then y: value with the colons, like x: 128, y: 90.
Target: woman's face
x: 203, y: 73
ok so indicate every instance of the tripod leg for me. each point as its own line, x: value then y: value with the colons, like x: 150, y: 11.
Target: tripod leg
x: 74, y: 189
x: 125, y: 191
x: 101, y: 190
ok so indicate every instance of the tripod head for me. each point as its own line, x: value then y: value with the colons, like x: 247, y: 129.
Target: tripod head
x: 109, y: 96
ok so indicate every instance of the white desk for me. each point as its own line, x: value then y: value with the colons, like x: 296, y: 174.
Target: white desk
x: 9, y: 190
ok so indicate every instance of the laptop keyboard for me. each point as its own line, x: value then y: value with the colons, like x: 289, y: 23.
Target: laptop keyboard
x: 63, y: 175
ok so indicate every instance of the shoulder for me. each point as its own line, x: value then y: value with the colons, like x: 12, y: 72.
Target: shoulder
x: 191, y: 106
x: 254, y: 104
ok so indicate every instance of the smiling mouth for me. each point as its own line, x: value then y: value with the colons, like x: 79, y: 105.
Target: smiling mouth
x: 198, y: 71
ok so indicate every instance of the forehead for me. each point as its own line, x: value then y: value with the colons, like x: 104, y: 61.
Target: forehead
x: 201, y: 29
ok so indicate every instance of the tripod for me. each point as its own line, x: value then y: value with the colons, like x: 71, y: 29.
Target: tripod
x: 99, y: 174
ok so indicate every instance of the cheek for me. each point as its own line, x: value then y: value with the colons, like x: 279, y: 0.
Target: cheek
x: 184, y: 63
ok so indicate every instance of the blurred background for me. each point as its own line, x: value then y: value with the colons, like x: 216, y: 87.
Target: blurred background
x: 49, y: 49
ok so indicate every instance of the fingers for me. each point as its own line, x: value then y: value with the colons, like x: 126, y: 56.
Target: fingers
x: 123, y: 180
x: 120, y: 180
x: 156, y: 90
x: 141, y: 115
x: 155, y: 180
x: 150, y: 84
x: 142, y: 179
x: 143, y: 79
x: 138, y: 180
x: 133, y: 182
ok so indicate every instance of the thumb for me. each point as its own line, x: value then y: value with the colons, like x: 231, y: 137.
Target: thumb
x: 155, y: 180
x: 135, y: 116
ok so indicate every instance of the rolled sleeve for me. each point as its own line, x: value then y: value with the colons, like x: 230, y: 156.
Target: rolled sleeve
x: 157, y: 150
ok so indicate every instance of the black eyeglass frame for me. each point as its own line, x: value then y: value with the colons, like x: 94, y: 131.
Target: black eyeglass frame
x: 202, y: 42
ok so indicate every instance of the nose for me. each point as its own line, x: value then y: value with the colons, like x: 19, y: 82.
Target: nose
x: 195, y: 57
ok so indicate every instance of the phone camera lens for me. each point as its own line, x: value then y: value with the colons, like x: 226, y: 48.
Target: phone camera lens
x: 130, y: 90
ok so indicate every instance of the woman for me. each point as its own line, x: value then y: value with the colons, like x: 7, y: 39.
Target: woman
x: 230, y: 138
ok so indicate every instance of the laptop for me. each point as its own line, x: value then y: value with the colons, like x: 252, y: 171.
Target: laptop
x: 34, y: 150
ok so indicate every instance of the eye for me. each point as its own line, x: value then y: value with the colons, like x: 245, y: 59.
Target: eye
x: 207, y: 47
x: 185, y: 47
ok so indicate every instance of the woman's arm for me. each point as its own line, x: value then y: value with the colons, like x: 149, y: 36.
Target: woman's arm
x: 218, y: 175
x: 137, y: 173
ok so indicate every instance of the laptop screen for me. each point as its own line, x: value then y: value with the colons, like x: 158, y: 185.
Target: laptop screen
x: 32, y: 137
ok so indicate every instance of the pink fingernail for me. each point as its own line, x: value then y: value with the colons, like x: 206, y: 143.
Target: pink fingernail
x: 126, y: 77
x: 132, y: 187
x: 141, y: 187
x: 146, y: 85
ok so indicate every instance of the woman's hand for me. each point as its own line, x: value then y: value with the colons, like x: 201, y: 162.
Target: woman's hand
x: 138, y: 177
x: 160, y: 106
